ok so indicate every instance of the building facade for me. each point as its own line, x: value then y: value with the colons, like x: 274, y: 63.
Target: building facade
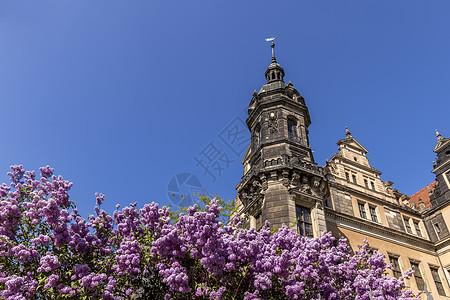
x: 283, y: 184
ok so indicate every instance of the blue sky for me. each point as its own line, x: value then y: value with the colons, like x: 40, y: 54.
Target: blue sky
x: 121, y: 96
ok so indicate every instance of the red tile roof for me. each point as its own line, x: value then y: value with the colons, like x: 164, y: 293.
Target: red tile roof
x: 423, y: 195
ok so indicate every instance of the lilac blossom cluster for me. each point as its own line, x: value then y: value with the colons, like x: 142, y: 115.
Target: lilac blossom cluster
x: 48, y: 251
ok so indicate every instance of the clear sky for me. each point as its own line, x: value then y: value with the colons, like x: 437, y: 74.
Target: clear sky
x: 122, y: 96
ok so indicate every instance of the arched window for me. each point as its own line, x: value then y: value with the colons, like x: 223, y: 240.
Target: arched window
x: 292, y: 130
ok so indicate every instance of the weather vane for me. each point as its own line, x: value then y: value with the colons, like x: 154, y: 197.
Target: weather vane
x: 271, y: 39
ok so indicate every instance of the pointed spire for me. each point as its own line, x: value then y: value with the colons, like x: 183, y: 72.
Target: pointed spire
x: 274, y: 72
x: 438, y: 135
x: 274, y: 60
x: 347, y: 132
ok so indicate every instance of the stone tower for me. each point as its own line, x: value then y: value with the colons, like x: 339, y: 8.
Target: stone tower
x: 281, y: 182
x: 442, y: 171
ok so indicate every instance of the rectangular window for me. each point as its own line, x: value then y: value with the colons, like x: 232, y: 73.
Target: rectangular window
x: 366, y: 183
x: 373, y: 185
x: 395, y: 266
x: 347, y: 176
x: 418, y: 276
x: 417, y: 227
x: 362, y: 210
x: 373, y: 213
x: 407, y: 225
x: 437, y: 281
x: 304, y: 221
x: 292, y: 130
x: 354, y: 178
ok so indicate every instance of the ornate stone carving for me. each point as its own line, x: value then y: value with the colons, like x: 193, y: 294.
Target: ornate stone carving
x: 305, y: 187
x: 318, y: 204
x: 332, y: 167
x: 255, y: 141
x: 264, y: 184
x: 244, y: 198
x: 388, y: 187
x: 273, y: 123
x: 285, y: 179
x: 430, y: 191
x: 273, y: 175
x: 316, y: 189
x: 295, y: 180
x: 256, y: 184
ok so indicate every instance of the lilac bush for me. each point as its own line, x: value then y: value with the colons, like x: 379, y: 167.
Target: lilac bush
x: 49, y: 251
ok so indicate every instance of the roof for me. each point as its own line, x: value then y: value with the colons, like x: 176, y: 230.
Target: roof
x: 349, y: 140
x: 424, y: 195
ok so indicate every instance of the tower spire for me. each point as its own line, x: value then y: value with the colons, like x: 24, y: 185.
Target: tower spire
x: 274, y: 60
x: 274, y: 72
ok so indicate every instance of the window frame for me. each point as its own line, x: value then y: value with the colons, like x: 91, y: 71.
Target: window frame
x: 407, y: 225
x: 394, y: 261
x: 366, y: 183
x: 302, y: 224
x: 373, y: 213
x: 292, y: 129
x: 347, y: 176
x: 417, y: 228
x: 437, y: 280
x: 418, y: 278
x: 362, y: 210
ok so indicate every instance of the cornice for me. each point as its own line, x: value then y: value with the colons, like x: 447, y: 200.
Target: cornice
x: 355, y: 164
x: 433, y: 210
x: 397, y: 236
x: 443, y: 145
x: 441, y: 166
x: 312, y: 198
x: 442, y: 244
x: 358, y: 193
x: 274, y: 100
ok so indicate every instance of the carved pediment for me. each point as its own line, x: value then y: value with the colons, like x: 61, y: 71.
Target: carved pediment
x: 351, y: 142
